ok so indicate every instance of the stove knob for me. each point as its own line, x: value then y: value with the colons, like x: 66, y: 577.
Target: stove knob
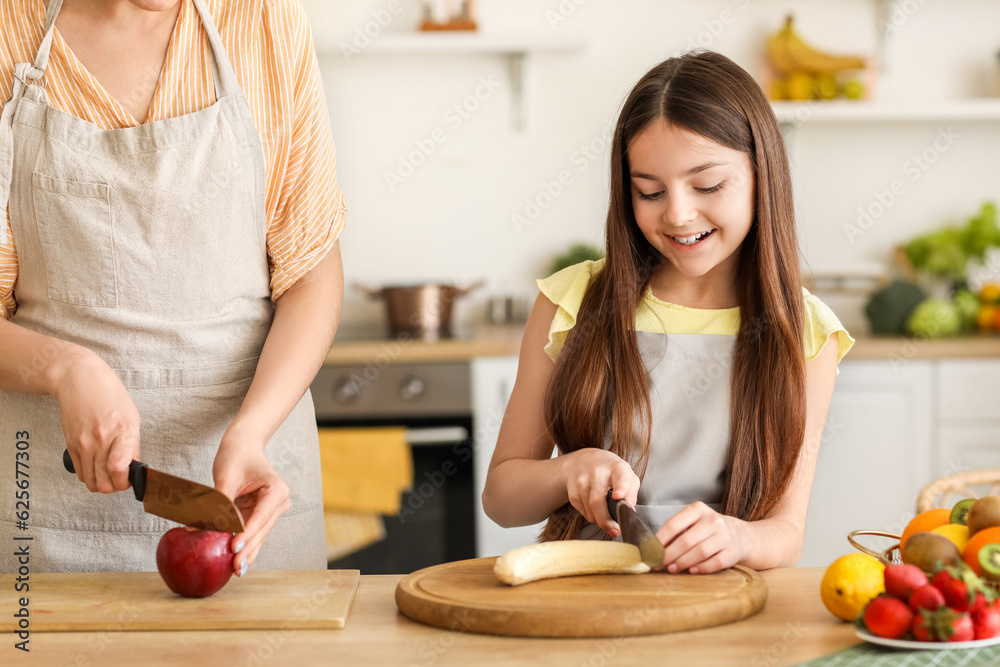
x: 412, y: 388
x: 346, y: 391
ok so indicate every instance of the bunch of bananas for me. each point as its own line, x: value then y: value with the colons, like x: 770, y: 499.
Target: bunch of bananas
x: 802, y: 72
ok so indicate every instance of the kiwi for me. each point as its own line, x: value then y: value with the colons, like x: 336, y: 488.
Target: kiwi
x: 989, y: 560
x: 984, y: 513
x: 961, y: 510
x: 928, y: 550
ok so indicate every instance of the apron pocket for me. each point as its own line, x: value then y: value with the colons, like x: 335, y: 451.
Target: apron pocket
x: 74, y: 222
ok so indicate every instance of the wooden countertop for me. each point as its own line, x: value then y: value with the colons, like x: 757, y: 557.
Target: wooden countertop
x: 503, y: 341
x: 487, y: 341
x: 793, y: 627
x: 897, y: 348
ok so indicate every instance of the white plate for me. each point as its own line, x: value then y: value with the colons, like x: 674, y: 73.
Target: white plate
x: 924, y: 646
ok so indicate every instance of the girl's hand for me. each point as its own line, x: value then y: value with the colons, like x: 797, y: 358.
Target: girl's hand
x: 99, y: 420
x: 242, y: 472
x: 700, y: 540
x: 589, y: 474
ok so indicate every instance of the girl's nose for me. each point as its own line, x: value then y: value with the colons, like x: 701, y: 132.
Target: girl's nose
x: 680, y: 210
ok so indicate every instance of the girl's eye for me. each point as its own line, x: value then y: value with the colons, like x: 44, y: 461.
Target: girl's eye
x: 714, y: 188
x: 645, y: 197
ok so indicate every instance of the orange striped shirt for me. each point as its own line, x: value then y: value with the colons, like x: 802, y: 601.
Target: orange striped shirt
x: 270, y: 45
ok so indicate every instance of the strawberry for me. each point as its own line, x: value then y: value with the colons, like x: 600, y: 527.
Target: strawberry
x: 921, y: 628
x: 959, y: 629
x: 986, y: 623
x: 943, y: 625
x: 902, y: 580
x: 888, y: 617
x: 962, y: 589
x: 926, y: 597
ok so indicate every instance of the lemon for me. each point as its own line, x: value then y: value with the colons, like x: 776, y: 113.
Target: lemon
x: 825, y: 86
x: 850, y: 583
x: 955, y: 532
x: 799, y: 87
x: 854, y: 89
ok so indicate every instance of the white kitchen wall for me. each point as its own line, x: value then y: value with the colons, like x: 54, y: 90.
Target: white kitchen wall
x: 454, y: 217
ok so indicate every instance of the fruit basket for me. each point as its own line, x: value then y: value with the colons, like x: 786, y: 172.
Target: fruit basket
x: 942, y: 492
x: 889, y: 556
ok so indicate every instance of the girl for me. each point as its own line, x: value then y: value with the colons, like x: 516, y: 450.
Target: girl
x: 169, y: 270
x: 624, y: 362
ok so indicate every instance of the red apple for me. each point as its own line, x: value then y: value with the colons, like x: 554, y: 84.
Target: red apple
x: 194, y: 563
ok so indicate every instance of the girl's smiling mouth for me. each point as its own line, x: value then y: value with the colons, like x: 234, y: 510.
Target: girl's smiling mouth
x: 691, y: 241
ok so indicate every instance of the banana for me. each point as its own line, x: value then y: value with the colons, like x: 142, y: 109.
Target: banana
x: 567, y: 558
x: 790, y: 54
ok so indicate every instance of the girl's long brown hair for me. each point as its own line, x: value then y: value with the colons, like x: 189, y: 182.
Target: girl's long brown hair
x: 599, y: 388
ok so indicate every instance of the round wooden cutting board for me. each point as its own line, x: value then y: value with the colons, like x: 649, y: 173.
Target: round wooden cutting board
x: 466, y: 596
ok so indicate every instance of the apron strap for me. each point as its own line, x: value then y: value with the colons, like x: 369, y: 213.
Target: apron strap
x: 223, y: 74
x: 42, y: 57
x: 25, y: 74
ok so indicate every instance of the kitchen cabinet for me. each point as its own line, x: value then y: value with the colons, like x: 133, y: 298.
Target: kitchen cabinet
x: 962, y: 448
x: 492, y: 382
x: 875, y: 454
x: 969, y: 423
x: 969, y: 389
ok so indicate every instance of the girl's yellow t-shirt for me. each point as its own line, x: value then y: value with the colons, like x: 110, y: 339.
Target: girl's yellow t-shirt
x: 567, y: 287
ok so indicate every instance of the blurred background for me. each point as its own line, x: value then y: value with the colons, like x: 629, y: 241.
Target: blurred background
x: 450, y: 176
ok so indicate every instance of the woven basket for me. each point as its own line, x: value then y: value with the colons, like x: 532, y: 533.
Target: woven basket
x: 892, y: 555
x: 888, y: 556
x: 947, y: 491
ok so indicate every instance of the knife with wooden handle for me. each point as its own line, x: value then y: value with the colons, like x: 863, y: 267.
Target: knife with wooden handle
x: 636, y: 531
x: 179, y: 499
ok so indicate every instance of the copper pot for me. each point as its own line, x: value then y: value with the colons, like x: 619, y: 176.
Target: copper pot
x: 420, y: 311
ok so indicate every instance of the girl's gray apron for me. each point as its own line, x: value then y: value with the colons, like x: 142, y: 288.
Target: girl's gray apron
x: 689, y: 379
x: 147, y: 246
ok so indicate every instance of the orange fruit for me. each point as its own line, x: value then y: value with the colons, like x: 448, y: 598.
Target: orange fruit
x: 970, y: 554
x: 990, y: 293
x: 925, y: 522
x: 986, y: 317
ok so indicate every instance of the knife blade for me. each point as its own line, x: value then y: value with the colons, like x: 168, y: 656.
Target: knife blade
x: 636, y: 531
x: 179, y: 499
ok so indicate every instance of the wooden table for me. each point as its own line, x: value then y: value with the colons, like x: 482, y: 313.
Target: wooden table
x: 793, y: 627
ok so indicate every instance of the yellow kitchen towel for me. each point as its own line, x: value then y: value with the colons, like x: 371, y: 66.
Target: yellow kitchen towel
x: 348, y: 532
x: 365, y: 469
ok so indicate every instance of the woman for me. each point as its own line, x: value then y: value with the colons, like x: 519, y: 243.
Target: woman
x: 170, y: 259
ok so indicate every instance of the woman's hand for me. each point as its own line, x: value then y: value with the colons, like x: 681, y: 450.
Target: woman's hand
x: 589, y: 474
x: 242, y: 472
x: 700, y: 540
x: 99, y: 420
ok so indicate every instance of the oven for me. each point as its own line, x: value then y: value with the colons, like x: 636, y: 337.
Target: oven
x: 433, y: 401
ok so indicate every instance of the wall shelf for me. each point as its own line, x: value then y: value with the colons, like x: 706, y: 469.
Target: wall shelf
x: 460, y: 43
x: 849, y: 111
x: 515, y: 48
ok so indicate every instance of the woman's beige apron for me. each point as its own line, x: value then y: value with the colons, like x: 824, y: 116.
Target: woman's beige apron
x: 147, y: 246
x: 689, y: 380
